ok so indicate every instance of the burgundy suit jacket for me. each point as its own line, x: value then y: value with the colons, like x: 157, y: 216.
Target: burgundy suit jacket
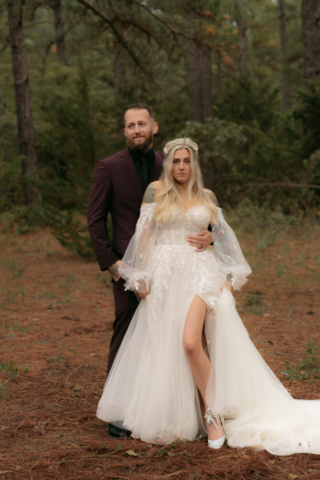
x: 116, y: 188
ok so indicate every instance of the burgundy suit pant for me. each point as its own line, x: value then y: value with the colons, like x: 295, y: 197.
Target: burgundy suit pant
x: 125, y: 306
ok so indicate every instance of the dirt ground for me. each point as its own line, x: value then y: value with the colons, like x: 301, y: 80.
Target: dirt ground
x: 56, y: 324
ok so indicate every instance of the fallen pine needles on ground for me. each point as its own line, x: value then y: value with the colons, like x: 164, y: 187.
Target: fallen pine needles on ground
x: 56, y: 324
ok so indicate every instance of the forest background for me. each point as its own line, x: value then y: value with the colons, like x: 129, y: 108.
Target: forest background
x: 240, y: 77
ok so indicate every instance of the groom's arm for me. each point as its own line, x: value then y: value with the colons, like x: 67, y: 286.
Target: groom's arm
x: 99, y: 207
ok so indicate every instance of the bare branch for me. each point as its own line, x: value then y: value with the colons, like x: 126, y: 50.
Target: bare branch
x: 173, y: 32
x: 119, y: 37
x: 132, y: 23
x: 49, y: 45
x: 41, y: 22
x: 35, y: 8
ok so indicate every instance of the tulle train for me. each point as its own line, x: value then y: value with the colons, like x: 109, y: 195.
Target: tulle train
x: 260, y: 412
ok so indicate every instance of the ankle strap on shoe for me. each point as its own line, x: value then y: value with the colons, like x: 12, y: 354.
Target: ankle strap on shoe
x: 213, y: 418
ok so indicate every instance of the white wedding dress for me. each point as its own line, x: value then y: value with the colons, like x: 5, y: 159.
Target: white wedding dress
x: 150, y: 389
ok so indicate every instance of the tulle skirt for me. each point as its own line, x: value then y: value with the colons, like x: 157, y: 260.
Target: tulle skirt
x: 150, y: 389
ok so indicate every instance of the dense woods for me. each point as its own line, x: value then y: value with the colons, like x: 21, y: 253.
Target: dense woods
x: 240, y: 77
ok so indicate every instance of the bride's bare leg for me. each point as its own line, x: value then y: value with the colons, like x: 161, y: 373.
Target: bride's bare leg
x: 198, y: 360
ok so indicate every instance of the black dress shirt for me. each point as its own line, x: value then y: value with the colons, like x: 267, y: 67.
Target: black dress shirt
x: 144, y: 163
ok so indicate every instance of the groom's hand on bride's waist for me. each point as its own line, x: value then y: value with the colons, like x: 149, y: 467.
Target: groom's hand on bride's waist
x: 201, y: 241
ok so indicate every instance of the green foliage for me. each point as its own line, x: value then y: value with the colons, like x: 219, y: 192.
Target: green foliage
x: 312, y: 165
x: 308, y: 112
x: 22, y: 219
x: 70, y: 228
x: 265, y: 224
x: 218, y: 141
x: 251, y: 152
x: 251, y: 217
x: 309, y: 367
x: 249, y: 100
x: 247, y: 162
x: 10, y: 182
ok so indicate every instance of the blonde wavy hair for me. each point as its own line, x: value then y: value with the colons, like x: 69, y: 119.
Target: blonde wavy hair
x: 170, y: 195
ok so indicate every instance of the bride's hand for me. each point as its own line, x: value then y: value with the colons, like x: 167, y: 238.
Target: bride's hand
x: 141, y: 295
x: 228, y: 286
x: 142, y: 286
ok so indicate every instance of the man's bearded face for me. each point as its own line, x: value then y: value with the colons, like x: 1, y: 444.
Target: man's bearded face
x: 139, y: 130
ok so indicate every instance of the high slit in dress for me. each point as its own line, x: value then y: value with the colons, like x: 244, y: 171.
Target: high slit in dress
x: 150, y: 389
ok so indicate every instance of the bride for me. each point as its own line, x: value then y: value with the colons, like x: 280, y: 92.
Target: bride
x: 187, y: 365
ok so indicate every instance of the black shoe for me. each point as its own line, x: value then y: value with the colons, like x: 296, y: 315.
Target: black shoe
x: 117, y: 432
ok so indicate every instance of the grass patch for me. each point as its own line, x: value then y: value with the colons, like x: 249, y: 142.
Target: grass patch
x: 18, y: 328
x: 12, y: 369
x: 9, y: 367
x: 12, y: 372
x: 253, y: 299
x: 3, y: 390
x: 254, y: 303
x: 309, y: 367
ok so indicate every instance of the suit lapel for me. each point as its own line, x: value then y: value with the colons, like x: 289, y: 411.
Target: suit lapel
x: 131, y: 171
x: 158, y: 166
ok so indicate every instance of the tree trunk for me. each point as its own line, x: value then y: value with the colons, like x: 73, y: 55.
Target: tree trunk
x: 200, y: 69
x: 219, y: 73
x: 206, y: 83
x: 119, y: 75
x: 283, y: 43
x: 243, y: 28
x: 2, y: 99
x: 195, y: 62
x: 58, y: 26
x: 311, y: 38
x: 23, y: 102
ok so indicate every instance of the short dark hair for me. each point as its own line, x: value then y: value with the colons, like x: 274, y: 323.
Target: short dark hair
x: 138, y: 106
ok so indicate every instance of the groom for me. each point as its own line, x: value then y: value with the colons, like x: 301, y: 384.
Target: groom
x: 118, y: 186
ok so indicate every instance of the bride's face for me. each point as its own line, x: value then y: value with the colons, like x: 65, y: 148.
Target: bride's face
x: 181, y: 168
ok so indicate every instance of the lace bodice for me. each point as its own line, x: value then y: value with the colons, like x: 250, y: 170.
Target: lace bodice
x: 179, y: 226
x: 142, y: 255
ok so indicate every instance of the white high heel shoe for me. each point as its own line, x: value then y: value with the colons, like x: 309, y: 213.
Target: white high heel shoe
x: 214, y: 418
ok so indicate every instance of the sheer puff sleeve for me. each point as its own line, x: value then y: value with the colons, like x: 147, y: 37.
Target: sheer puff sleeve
x: 136, y: 265
x: 230, y: 256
